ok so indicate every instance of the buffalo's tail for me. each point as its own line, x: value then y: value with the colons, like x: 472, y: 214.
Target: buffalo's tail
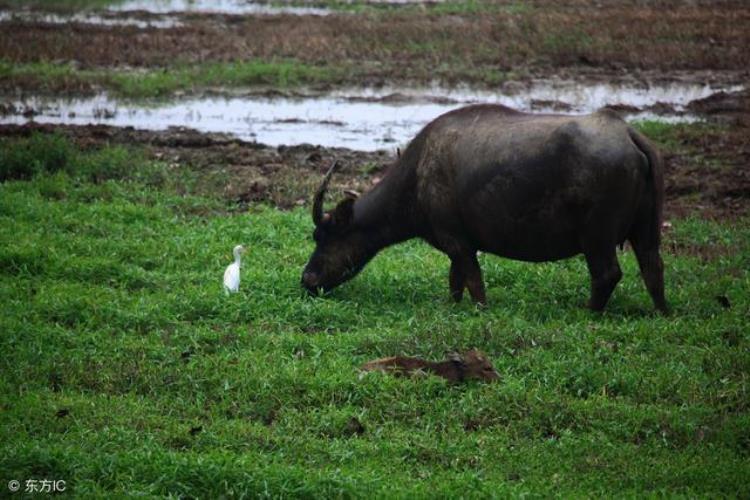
x: 656, y: 166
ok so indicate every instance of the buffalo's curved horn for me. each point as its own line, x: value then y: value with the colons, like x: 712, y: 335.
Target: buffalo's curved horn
x: 317, y: 208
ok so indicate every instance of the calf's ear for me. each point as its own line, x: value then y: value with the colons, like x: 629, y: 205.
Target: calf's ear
x: 473, y: 355
x: 457, y: 359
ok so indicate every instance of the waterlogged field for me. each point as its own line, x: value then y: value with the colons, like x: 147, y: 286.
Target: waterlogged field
x: 127, y: 371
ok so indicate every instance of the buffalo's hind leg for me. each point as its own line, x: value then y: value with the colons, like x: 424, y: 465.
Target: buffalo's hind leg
x: 605, y: 274
x: 646, y: 247
x: 466, y: 273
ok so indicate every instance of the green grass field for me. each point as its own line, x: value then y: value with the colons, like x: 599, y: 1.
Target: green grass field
x: 126, y: 371
x: 49, y: 77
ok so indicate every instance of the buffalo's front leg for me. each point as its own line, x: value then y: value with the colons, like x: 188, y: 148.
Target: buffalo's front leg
x: 466, y: 273
x: 457, y: 280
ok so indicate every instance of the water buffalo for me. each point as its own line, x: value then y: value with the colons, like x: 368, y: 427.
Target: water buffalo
x: 523, y: 186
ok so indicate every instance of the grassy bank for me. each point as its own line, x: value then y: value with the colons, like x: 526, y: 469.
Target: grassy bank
x: 49, y: 77
x: 127, y: 371
x: 45, y: 77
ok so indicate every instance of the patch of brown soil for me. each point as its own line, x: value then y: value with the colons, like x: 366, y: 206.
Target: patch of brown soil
x: 709, y: 174
x: 730, y: 107
x: 705, y: 252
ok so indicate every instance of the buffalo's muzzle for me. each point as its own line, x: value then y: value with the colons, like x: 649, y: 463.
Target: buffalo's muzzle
x: 311, y: 282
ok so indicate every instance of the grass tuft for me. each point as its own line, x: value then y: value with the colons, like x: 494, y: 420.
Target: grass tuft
x: 41, y: 153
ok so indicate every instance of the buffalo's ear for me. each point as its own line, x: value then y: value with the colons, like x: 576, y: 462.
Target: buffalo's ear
x: 343, y: 213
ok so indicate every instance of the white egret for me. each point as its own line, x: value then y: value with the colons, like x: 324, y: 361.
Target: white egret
x: 232, y: 273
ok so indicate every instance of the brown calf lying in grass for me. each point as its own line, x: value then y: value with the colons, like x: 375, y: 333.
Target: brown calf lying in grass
x: 472, y: 364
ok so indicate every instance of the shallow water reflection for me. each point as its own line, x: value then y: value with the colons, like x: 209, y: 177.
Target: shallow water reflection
x: 359, y: 119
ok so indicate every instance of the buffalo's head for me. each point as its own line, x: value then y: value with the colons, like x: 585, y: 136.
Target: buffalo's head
x: 341, y: 248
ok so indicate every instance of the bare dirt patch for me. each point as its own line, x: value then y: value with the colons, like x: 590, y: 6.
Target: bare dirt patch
x: 709, y: 173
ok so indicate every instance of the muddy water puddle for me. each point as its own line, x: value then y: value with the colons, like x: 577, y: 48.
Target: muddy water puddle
x: 246, y: 6
x: 159, y: 14
x: 123, y: 13
x: 217, y: 7
x: 102, y: 19
x: 126, y: 12
x: 364, y: 120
